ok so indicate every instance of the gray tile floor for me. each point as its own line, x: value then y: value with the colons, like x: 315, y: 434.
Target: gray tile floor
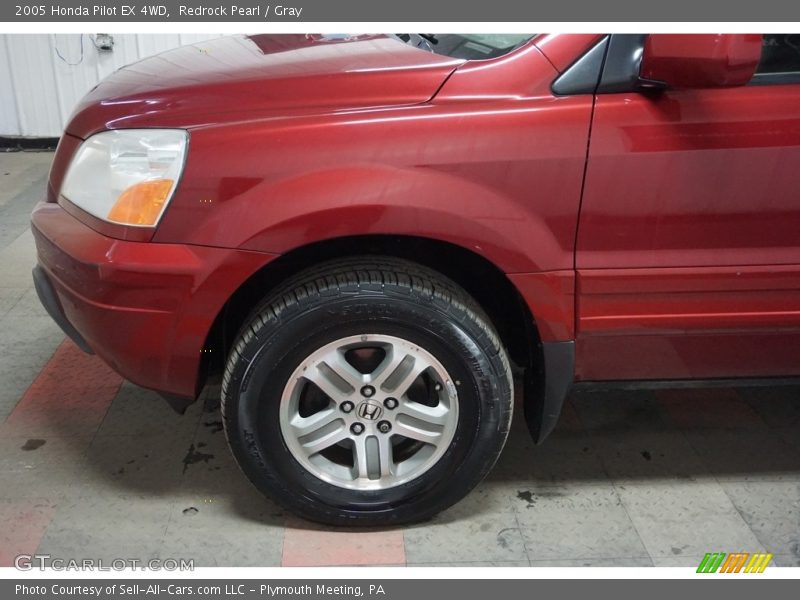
x: 628, y: 478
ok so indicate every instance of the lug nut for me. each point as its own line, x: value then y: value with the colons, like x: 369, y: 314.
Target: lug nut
x: 368, y: 391
x: 390, y: 403
x: 346, y: 406
x: 384, y: 426
x: 357, y: 428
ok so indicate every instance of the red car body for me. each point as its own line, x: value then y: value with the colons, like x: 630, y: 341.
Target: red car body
x: 656, y: 234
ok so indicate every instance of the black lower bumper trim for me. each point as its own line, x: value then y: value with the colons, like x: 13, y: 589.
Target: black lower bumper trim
x: 47, y: 297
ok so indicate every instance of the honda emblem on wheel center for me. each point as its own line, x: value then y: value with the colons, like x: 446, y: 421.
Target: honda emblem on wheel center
x: 369, y: 410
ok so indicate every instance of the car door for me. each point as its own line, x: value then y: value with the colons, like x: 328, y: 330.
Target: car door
x: 688, y: 250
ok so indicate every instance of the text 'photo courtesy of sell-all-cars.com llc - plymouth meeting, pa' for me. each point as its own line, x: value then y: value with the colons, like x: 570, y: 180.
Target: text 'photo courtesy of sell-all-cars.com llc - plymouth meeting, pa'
x: 365, y: 236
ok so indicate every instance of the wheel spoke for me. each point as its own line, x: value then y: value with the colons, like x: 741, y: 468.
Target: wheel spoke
x: 373, y: 457
x: 387, y: 368
x: 334, y: 376
x: 361, y: 448
x: 344, y: 369
x: 400, y: 372
x: 428, y: 435
x: 419, y: 422
x: 319, y: 431
x: 385, y: 456
x: 436, y: 416
x: 304, y: 426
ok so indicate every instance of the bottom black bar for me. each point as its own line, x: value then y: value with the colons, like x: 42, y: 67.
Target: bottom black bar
x: 732, y: 586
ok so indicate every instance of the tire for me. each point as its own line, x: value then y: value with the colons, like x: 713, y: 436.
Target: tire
x: 375, y: 320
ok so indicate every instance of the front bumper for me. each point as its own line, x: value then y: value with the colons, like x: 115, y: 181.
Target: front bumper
x: 48, y: 298
x: 146, y: 309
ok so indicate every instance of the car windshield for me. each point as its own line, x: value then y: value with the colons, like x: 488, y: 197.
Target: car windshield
x: 469, y: 46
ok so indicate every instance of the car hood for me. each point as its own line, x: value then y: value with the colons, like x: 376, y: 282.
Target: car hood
x: 241, y: 78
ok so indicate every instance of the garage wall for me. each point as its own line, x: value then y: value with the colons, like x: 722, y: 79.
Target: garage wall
x: 39, y: 88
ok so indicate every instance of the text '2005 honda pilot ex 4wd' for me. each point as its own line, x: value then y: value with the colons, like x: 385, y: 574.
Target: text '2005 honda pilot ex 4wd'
x: 365, y: 235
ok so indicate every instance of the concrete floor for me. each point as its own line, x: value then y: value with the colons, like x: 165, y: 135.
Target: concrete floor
x: 91, y: 466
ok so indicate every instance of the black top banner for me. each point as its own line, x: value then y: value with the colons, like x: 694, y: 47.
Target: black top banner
x: 252, y: 11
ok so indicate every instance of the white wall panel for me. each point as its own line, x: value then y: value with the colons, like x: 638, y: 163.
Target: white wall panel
x: 153, y: 44
x: 9, y: 119
x: 43, y: 76
x: 34, y: 84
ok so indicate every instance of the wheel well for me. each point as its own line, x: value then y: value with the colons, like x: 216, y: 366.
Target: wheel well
x: 478, y: 276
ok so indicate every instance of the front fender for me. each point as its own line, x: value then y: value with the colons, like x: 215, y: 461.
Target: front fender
x: 382, y: 200
x: 277, y: 217
x: 501, y: 178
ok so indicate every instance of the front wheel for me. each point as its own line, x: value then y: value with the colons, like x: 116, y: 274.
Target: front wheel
x: 367, y: 391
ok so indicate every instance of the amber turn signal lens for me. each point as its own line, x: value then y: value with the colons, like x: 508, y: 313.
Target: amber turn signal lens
x: 141, y: 204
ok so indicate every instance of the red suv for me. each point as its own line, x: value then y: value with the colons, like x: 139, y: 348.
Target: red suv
x: 365, y: 234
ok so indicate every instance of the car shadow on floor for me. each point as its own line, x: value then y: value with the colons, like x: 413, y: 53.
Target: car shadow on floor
x: 747, y: 433
x: 603, y: 438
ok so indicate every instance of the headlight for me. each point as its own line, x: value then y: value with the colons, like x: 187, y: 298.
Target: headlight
x: 126, y: 176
